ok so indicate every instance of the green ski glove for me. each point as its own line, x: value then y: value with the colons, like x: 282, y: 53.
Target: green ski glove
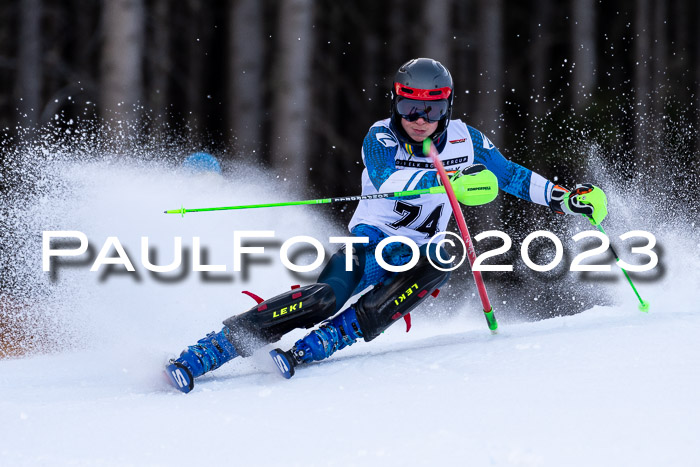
x: 474, y: 185
x: 587, y: 200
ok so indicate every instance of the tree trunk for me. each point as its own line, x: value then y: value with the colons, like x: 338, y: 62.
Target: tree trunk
x: 160, y: 64
x: 371, y: 47
x: 680, y: 57
x: 29, y: 69
x: 464, y: 71
x: 121, y: 66
x: 86, y: 42
x: 291, y: 83
x: 437, y: 40
x: 584, y: 52
x: 246, y: 110
x: 490, y: 93
x: 340, y: 153
x: 490, y: 68
x: 539, y: 72
x: 659, y: 79
x: 642, y: 78
x: 397, y: 20
x: 198, y: 45
x: 697, y: 87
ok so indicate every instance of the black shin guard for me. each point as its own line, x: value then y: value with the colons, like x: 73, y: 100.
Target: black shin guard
x: 382, y: 306
x: 303, y: 307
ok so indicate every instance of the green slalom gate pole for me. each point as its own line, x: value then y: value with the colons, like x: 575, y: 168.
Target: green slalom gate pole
x: 342, y: 199
x: 643, y: 304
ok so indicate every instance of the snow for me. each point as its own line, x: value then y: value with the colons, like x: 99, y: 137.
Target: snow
x: 610, y: 386
x: 607, y: 387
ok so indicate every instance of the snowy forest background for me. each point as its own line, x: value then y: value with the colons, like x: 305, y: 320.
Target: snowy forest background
x: 295, y: 84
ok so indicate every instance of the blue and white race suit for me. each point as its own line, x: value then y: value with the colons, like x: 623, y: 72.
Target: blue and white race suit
x: 391, y: 166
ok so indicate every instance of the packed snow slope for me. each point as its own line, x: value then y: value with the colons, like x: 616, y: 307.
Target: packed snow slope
x: 610, y: 386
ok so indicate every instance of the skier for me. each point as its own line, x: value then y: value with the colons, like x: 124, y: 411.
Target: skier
x: 421, y: 106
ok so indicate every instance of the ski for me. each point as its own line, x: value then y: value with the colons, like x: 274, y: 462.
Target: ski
x: 179, y: 376
x: 285, y: 362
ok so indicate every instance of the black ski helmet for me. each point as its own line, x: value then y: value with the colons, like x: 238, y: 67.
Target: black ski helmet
x: 422, y: 79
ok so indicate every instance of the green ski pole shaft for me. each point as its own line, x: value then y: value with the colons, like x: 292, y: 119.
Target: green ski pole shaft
x: 643, y: 304
x: 341, y: 199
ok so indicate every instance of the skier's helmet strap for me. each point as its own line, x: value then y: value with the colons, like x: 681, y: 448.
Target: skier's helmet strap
x: 422, y: 79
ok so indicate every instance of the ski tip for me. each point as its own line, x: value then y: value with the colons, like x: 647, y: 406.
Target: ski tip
x: 284, y: 362
x: 179, y: 376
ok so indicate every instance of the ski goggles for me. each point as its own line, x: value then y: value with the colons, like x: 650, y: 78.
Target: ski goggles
x: 430, y: 111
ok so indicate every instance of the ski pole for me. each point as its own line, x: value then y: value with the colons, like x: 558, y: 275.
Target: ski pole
x: 430, y: 150
x: 643, y: 304
x: 397, y: 194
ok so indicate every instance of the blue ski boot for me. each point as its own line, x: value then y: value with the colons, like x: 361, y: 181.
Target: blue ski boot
x: 207, y: 354
x: 332, y: 335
